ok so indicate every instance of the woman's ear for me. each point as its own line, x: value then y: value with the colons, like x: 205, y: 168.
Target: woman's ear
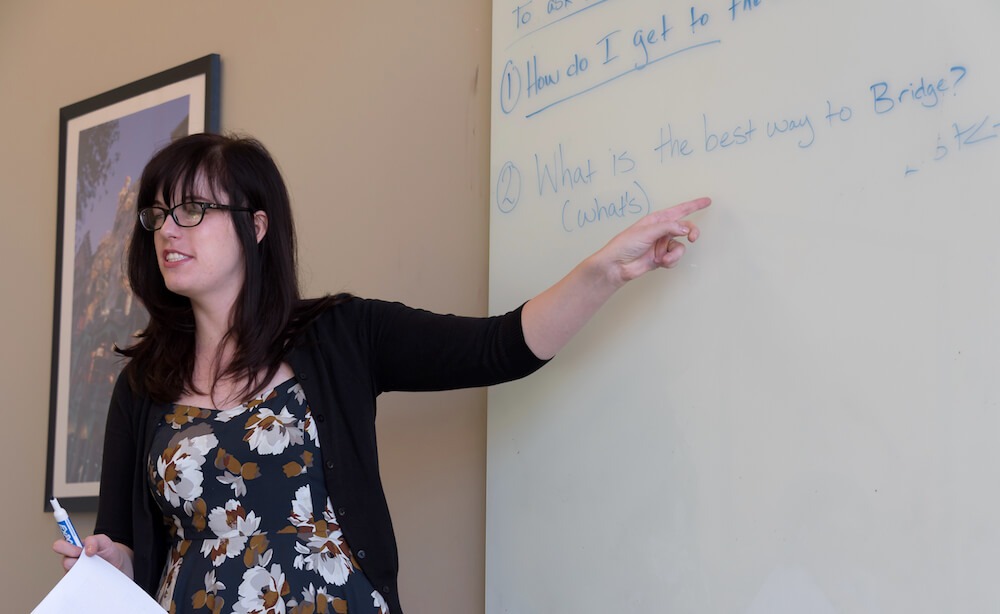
x: 260, y: 224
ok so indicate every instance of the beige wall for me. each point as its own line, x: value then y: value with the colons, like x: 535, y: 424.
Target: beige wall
x: 379, y: 118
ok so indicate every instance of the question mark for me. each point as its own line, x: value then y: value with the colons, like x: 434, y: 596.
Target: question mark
x: 960, y: 77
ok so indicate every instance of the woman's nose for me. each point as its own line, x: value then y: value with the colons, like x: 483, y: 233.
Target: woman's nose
x: 169, y: 227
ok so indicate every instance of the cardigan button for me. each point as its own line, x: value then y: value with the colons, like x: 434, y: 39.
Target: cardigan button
x: 361, y: 554
x: 302, y: 377
x: 329, y: 464
x: 321, y: 418
x: 342, y: 512
x: 386, y: 590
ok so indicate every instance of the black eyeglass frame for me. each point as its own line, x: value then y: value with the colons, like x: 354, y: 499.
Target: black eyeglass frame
x: 205, y: 206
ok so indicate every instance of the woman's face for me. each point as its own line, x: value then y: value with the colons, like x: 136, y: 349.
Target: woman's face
x: 203, y: 262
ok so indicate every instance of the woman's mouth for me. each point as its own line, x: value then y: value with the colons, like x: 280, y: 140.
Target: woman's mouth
x: 174, y: 257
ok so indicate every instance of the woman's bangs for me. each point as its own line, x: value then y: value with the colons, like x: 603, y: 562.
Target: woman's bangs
x: 175, y: 179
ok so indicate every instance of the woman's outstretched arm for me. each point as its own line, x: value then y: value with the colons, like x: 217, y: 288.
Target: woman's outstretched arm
x: 552, y: 318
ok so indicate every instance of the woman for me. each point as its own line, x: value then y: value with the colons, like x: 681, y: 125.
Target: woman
x: 240, y: 470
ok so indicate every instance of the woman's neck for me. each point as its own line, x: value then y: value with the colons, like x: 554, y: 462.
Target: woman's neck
x: 211, y: 324
x: 214, y: 351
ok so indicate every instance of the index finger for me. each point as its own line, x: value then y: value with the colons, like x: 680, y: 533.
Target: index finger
x: 687, y: 208
x: 63, y: 547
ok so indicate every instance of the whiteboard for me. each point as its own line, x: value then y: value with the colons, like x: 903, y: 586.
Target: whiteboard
x: 803, y: 416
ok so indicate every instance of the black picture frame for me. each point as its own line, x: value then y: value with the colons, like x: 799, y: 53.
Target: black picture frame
x: 104, y: 142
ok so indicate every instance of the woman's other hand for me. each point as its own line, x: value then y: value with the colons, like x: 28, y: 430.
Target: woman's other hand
x: 120, y: 556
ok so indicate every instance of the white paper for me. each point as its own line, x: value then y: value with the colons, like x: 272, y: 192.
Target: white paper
x: 94, y: 586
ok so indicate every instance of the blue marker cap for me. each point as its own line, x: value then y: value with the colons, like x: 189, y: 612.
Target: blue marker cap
x: 65, y: 524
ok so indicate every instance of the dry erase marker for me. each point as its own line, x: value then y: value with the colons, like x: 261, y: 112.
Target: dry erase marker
x: 65, y: 524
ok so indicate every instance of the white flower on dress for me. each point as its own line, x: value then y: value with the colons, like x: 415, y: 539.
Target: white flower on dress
x: 270, y: 433
x: 235, y: 482
x: 228, y: 414
x: 233, y: 526
x: 312, y: 600
x: 321, y: 547
x: 179, y: 527
x: 261, y: 591
x: 165, y: 595
x: 302, y: 509
x: 179, y: 468
x: 300, y: 394
x: 309, y: 427
x: 379, y: 602
x: 211, y: 584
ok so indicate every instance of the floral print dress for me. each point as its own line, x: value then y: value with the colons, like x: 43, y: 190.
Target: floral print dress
x: 253, y: 529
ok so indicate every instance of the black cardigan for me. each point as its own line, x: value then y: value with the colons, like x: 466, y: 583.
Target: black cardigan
x: 353, y: 352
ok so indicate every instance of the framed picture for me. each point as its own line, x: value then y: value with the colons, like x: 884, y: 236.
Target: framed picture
x: 104, y: 143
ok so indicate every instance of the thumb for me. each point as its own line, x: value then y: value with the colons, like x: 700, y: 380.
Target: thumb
x: 100, y: 545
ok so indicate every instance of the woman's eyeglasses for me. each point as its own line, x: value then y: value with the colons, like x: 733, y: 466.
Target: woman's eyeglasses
x: 185, y: 214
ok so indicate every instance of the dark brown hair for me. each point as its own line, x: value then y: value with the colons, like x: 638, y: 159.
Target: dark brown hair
x: 269, y: 311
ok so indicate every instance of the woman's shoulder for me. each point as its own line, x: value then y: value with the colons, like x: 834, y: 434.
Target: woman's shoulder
x: 319, y: 314
x: 305, y: 306
x: 307, y: 311
x: 343, y: 305
x: 345, y: 315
